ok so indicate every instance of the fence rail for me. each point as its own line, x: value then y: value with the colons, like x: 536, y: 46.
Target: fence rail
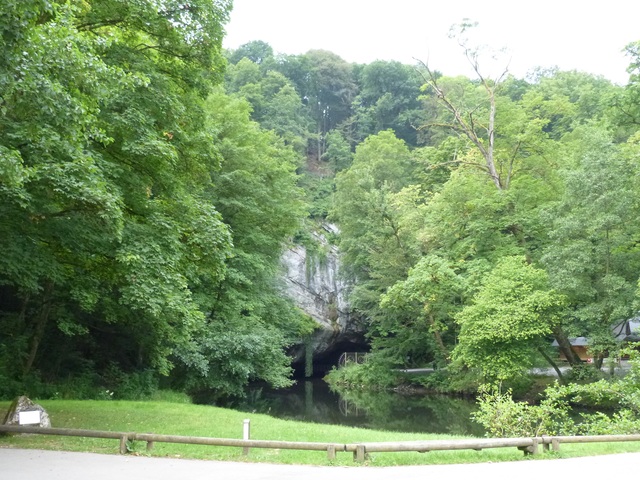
x: 352, y: 357
x: 529, y: 445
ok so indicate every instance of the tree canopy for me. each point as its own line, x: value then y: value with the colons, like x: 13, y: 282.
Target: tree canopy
x: 149, y: 182
x: 131, y: 207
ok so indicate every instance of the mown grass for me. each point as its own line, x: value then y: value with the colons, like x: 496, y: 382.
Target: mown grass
x: 173, y: 418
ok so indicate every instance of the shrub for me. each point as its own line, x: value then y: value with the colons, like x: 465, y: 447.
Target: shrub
x: 450, y: 381
x: 373, y: 375
x: 170, y: 396
x: 623, y: 422
x: 501, y: 416
x: 137, y: 385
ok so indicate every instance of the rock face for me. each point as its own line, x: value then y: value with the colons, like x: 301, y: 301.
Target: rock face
x: 24, y: 404
x: 313, y: 282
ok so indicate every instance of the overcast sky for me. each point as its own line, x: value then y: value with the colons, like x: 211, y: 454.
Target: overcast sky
x: 583, y: 35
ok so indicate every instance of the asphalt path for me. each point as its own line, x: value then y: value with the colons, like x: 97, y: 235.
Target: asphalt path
x: 19, y: 464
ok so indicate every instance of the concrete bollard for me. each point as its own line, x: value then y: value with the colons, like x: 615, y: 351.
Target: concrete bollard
x: 246, y: 434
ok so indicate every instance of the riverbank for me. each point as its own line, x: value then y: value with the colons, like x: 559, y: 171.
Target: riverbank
x: 207, y: 421
x: 406, y: 410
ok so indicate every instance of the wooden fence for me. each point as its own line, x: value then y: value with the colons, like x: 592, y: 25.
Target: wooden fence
x: 359, y: 450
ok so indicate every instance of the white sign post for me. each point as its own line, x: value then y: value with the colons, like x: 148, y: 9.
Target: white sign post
x: 246, y: 435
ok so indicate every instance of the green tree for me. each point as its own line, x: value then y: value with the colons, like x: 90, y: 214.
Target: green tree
x: 284, y: 112
x: 388, y: 99
x: 567, y: 100
x: 241, y: 76
x: 327, y: 85
x: 338, y: 154
x: 377, y: 244
x: 257, y: 51
x: 427, y: 301
x: 103, y: 214
x: 511, y: 316
x: 625, y: 105
x: 249, y: 321
x: 507, y: 140
x: 593, y: 255
x: 275, y: 103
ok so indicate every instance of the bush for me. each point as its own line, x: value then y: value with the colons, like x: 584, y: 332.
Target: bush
x: 83, y: 386
x: 170, y: 396
x: 128, y: 386
x: 451, y: 382
x: 32, y: 386
x: 623, y: 422
x: 583, y: 373
x: 371, y: 375
x: 501, y: 416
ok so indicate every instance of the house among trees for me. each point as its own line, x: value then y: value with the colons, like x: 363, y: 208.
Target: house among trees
x: 624, y: 332
x: 627, y: 330
x: 580, y: 345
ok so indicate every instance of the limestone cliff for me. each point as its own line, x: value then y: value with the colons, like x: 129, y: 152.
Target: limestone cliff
x: 314, y: 283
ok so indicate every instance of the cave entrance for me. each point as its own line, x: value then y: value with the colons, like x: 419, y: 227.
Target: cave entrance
x: 323, y: 363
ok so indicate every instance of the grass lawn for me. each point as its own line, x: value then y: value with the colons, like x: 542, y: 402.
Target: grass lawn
x: 206, y: 421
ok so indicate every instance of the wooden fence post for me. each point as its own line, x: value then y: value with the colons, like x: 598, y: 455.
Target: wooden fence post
x: 535, y: 448
x: 123, y: 444
x: 331, y: 452
x: 359, y: 454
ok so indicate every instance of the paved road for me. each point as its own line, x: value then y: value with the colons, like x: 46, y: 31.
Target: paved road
x: 17, y: 464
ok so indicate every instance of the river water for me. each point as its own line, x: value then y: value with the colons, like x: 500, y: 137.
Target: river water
x: 313, y: 401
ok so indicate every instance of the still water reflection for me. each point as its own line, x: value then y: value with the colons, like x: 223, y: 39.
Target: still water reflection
x: 313, y: 401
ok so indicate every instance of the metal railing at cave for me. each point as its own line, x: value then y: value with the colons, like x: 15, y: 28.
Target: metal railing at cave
x: 351, y: 357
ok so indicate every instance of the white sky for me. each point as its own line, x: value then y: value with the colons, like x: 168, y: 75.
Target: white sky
x: 585, y: 35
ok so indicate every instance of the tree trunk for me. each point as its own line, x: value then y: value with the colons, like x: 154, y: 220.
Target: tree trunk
x: 438, y: 337
x: 597, y: 362
x: 40, y: 325
x: 491, y: 166
x: 553, y: 364
x: 565, y: 346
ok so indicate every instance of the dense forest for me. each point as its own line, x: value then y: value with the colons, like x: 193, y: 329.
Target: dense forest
x: 150, y: 180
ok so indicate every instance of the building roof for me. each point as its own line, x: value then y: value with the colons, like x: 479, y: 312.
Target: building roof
x: 575, y: 342
x: 625, y: 331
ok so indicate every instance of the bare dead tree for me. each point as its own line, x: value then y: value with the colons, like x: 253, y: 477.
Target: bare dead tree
x: 465, y: 122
